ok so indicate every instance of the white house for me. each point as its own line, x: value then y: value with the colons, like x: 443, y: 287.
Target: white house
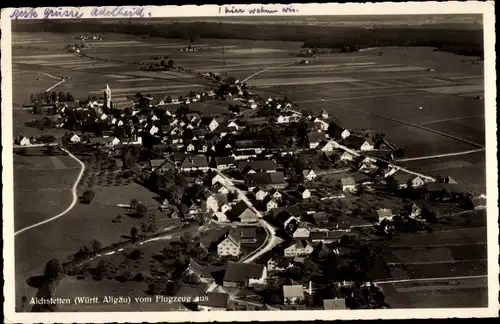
x: 113, y: 121
x: 299, y: 248
x: 324, y: 114
x: 190, y: 147
x: 346, y: 156
x: 283, y: 119
x: 321, y: 124
x: 233, y: 124
x: 275, y: 194
x: 154, y: 118
x: 384, y: 214
x: 213, y: 125
x: 259, y: 194
x: 113, y: 141
x: 120, y: 123
x: 366, y: 146
x: 229, y: 246
x: 309, y: 174
x: 74, y: 138
x: 24, y: 141
x: 327, y: 146
x: 212, y: 203
x: 345, y: 134
x: 304, y: 192
x: 302, y: 232
x: 104, y: 116
x: 153, y: 130
x: 218, y: 178
x: 348, y: 184
x: 270, y: 204
x: 293, y: 294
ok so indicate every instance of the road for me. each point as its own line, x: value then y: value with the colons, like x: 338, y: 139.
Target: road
x: 73, y: 202
x: 55, y: 85
x: 266, y: 69
x: 428, y: 157
x: 430, y: 279
x: 36, y: 145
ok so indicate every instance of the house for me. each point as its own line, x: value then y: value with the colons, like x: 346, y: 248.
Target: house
x: 320, y: 124
x: 346, y: 156
x: 112, y: 141
x: 314, y: 138
x: 190, y: 147
x: 153, y: 130
x: 239, y: 275
x: 247, y: 235
x: 195, y: 162
x: 210, y: 201
x: 345, y: 134
x: 298, y: 248
x: 219, y: 188
x: 96, y: 141
x: 324, y: 114
x: 319, y: 217
x: 348, y: 184
x: 359, y: 143
x: 405, y: 180
x: 275, y: 194
x: 214, y: 301
x: 259, y: 194
x: 328, y: 236
x: 293, y: 294
x: 205, y: 273
x: 222, y: 203
x: 189, y: 209
x: 384, y: 214
x: 212, y: 124
x: 105, y: 134
x: 233, y: 124
x: 309, y: 174
x: 224, y: 162
x: 161, y: 165
x: 23, y: 141
x: 304, y: 192
x: 265, y: 180
x: 327, y: 146
x: 450, y: 180
x: 74, y: 138
x: 416, y: 211
x: 269, y: 203
x: 479, y: 202
x: 333, y: 304
x: 242, y: 212
x: 257, y: 166
x: 230, y: 245
x: 217, y: 178
x: 302, y: 232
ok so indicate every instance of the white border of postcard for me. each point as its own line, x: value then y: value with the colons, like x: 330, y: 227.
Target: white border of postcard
x: 409, y: 8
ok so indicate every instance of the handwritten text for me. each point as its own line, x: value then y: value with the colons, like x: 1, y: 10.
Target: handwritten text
x: 261, y: 10
x: 124, y: 11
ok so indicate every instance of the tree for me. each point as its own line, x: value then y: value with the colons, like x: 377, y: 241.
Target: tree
x: 53, y: 96
x: 141, y: 210
x: 96, y: 246
x: 399, y: 152
x: 186, y: 238
x: 163, y: 63
x: 133, y: 203
x: 52, y: 269
x: 49, y: 149
x: 37, y: 107
x: 133, y: 233
x: 69, y: 97
x: 170, y: 64
x: 62, y: 96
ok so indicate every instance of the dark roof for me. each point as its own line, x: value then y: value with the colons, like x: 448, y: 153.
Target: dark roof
x: 441, y: 186
x: 195, y: 266
x: 242, y: 144
x: 238, y: 209
x: 195, y: 161
x: 215, y: 299
x: 241, y: 272
x: 265, y: 178
x: 223, y: 160
x: 355, y: 141
x: 247, y: 232
x: 403, y: 178
x: 315, y: 137
x: 292, y: 210
x: 260, y: 165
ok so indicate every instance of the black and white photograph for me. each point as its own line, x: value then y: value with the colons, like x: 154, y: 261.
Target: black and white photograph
x: 249, y: 158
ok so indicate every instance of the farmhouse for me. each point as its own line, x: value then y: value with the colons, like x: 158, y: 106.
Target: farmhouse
x: 265, y: 180
x: 302, y: 232
x: 384, y: 214
x: 405, y: 180
x: 23, y: 141
x: 277, y: 263
x: 309, y: 174
x: 303, y: 192
x: 194, y: 162
x: 269, y: 203
x: 230, y: 245
x: 161, y: 165
x: 242, y: 212
x: 259, y: 194
x: 73, y: 138
x: 298, y: 248
x: 224, y: 162
x: 277, y: 196
x: 359, y: 143
x: 257, y: 166
x: 239, y: 275
x: 327, y: 146
x: 346, y: 156
x: 314, y: 138
x: 293, y: 294
x: 348, y: 184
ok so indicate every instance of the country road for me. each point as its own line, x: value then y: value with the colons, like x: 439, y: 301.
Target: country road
x: 266, y: 69
x: 437, y: 156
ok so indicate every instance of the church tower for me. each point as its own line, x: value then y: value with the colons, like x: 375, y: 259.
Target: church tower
x: 107, y: 97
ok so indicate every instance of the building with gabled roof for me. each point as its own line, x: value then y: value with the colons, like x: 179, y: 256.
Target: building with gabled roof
x: 348, y: 184
x: 298, y: 248
x: 242, y: 212
x: 265, y: 180
x: 230, y: 245
x: 334, y: 304
x: 293, y: 294
x: 240, y: 275
x: 194, y: 162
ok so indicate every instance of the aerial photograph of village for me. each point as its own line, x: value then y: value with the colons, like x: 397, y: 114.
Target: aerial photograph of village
x: 249, y: 163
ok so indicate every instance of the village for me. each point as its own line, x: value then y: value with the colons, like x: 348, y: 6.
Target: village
x: 300, y: 196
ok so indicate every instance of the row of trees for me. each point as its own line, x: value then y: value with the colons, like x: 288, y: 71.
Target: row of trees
x: 48, y: 98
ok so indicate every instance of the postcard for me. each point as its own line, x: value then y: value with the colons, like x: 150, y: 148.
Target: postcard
x: 249, y: 162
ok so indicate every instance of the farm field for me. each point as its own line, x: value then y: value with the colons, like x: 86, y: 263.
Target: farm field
x: 467, y: 292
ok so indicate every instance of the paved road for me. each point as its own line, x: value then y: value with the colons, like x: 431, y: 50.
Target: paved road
x: 73, y: 203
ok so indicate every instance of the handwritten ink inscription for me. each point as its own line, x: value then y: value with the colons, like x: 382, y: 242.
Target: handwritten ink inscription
x: 261, y: 10
x: 124, y: 11
x: 76, y: 13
